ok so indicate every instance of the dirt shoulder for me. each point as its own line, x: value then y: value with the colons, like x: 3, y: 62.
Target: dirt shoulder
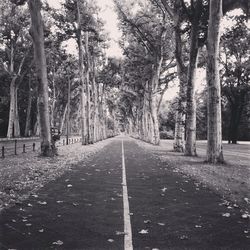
x: 231, y: 180
x: 23, y: 174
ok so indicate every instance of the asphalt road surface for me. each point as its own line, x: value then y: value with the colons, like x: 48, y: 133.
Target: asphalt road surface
x: 123, y: 198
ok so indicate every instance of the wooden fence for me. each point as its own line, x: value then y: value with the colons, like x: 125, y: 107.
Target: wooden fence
x: 25, y: 145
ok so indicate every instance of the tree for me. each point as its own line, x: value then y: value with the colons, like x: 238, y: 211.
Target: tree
x: 41, y: 74
x: 214, y: 145
x: 150, y: 36
x: 14, y: 54
x: 235, y: 51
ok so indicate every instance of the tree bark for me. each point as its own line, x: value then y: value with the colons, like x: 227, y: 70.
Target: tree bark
x: 63, y: 118
x: 95, y: 103
x: 12, y: 112
x: 28, y: 113
x: 236, y: 109
x: 214, y: 143
x: 41, y: 74
x: 52, y: 119
x: 87, y: 83
x: 81, y: 75
x: 182, y: 75
x: 190, y: 145
x: 154, y: 98
x: 68, y: 113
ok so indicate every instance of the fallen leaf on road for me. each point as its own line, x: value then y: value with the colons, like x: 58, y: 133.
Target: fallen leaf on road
x: 42, y: 202
x: 59, y: 243
x: 29, y: 205
x: 226, y: 215
x: 245, y: 216
x: 69, y: 185
x: 198, y: 226
x: 184, y: 237
x: 143, y: 231
x: 161, y: 224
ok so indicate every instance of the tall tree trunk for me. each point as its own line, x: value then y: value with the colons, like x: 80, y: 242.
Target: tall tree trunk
x: 87, y: 83
x: 236, y: 110
x: 12, y: 112
x: 95, y: 103
x: 68, y: 113
x: 179, y: 131
x: 190, y: 146
x: 154, y: 102
x: 81, y: 75
x: 41, y: 74
x: 52, y: 119
x: 182, y: 75
x: 63, y: 118
x: 16, y: 117
x: 214, y: 143
x: 28, y: 113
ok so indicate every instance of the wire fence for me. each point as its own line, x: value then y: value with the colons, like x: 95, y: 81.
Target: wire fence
x: 25, y: 145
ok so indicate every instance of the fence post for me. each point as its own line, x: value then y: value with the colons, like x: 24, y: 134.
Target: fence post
x: 24, y: 148
x: 2, y: 151
x: 15, y: 147
x: 34, y: 145
x: 63, y: 142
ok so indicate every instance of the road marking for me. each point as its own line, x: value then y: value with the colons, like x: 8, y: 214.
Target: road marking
x: 126, y: 214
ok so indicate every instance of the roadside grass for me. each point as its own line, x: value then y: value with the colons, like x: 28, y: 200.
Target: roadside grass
x: 23, y: 174
x: 231, y: 180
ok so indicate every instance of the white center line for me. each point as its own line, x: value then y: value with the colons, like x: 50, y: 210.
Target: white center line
x: 126, y: 214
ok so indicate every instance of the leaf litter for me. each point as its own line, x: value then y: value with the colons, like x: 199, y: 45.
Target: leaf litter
x: 143, y: 231
x: 58, y: 243
x: 24, y: 174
